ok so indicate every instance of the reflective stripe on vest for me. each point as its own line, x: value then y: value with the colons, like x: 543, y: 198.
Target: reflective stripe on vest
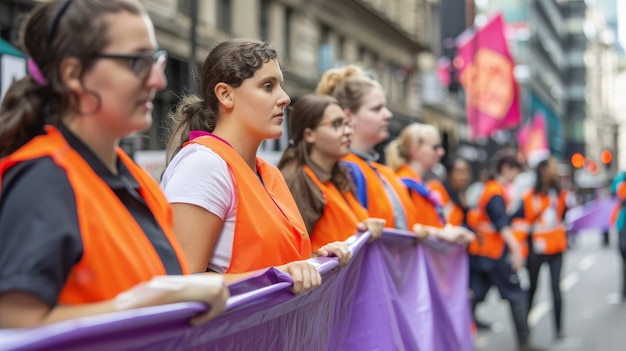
x: 520, y: 228
x: 342, y: 213
x: 378, y: 203
x: 452, y: 212
x: 117, y: 255
x: 547, y: 239
x: 269, y: 230
x: 429, y: 213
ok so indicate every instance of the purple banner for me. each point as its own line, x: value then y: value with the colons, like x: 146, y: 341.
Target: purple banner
x: 594, y: 215
x: 394, y: 295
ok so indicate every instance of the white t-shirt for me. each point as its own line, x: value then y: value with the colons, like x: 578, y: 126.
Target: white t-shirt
x: 198, y: 176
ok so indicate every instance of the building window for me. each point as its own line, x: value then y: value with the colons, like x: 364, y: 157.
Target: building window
x: 184, y: 6
x: 224, y: 15
x: 264, y: 20
x: 325, y: 57
x: 341, y: 48
x: 287, y: 32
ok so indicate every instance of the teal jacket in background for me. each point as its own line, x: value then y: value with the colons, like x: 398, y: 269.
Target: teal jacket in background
x: 621, y: 218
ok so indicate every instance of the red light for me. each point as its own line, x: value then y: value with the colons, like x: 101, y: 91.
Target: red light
x: 592, y: 167
x: 578, y: 160
x: 606, y: 157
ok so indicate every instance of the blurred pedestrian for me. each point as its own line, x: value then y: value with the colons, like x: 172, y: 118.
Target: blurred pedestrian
x: 495, y: 254
x: 320, y: 135
x: 544, y: 209
x: 233, y: 212
x: 83, y: 229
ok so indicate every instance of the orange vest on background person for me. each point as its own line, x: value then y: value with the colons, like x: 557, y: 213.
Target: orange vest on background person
x: 547, y: 238
x: 269, y: 230
x: 488, y: 242
x: 379, y: 205
x: 520, y: 228
x: 342, y: 213
x: 452, y: 212
x: 427, y: 212
x: 117, y: 254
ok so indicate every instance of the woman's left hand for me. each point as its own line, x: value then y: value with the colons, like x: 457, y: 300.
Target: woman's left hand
x: 374, y: 225
x: 339, y: 249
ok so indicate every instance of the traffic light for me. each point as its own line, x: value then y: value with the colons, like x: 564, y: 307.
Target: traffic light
x: 578, y: 160
x: 606, y: 157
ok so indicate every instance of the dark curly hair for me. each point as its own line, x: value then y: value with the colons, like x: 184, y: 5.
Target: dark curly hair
x: 230, y: 62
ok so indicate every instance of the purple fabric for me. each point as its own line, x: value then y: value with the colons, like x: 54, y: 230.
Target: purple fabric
x: 593, y: 215
x: 395, y: 294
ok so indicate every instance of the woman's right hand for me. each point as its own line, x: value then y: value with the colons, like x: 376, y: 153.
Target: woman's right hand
x: 208, y: 288
x: 304, y: 275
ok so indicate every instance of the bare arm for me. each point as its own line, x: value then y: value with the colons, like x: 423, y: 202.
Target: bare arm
x: 20, y: 309
x: 197, y: 230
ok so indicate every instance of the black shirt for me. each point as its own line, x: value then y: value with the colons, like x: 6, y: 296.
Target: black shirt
x: 40, y: 240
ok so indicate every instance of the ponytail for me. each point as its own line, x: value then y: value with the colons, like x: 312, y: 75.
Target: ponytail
x: 392, y: 155
x: 190, y: 114
x: 25, y: 109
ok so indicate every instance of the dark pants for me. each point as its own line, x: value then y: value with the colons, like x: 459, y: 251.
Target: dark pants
x: 555, y: 262
x: 485, y: 273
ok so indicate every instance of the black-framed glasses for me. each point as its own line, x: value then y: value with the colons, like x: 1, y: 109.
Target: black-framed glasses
x: 140, y: 64
x: 338, y: 123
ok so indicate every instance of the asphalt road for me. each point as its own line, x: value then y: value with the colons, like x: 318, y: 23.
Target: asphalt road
x: 594, y: 318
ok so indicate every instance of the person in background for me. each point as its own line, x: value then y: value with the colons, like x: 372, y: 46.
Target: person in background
x: 414, y: 153
x: 495, y: 254
x: 71, y: 199
x: 618, y: 219
x: 452, y: 191
x: 544, y: 209
x: 233, y: 212
x: 320, y: 135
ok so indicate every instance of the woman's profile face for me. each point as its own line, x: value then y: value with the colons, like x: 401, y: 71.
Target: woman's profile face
x: 259, y: 103
x: 371, y: 121
x: 126, y: 92
x: 429, y: 151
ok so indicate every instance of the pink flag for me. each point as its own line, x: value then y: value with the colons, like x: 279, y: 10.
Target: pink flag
x: 486, y: 74
x: 532, y: 139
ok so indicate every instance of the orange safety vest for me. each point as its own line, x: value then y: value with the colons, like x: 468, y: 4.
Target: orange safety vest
x: 547, y: 239
x: 452, y: 212
x: 117, y: 255
x: 379, y: 205
x: 520, y: 228
x: 427, y: 211
x: 488, y: 242
x: 342, y: 213
x: 269, y: 230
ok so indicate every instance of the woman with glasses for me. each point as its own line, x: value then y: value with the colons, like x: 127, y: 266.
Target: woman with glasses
x: 378, y: 189
x: 233, y: 212
x: 83, y: 230
x: 412, y: 155
x: 320, y: 135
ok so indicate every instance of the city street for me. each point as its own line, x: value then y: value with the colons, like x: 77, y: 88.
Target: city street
x: 594, y: 318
